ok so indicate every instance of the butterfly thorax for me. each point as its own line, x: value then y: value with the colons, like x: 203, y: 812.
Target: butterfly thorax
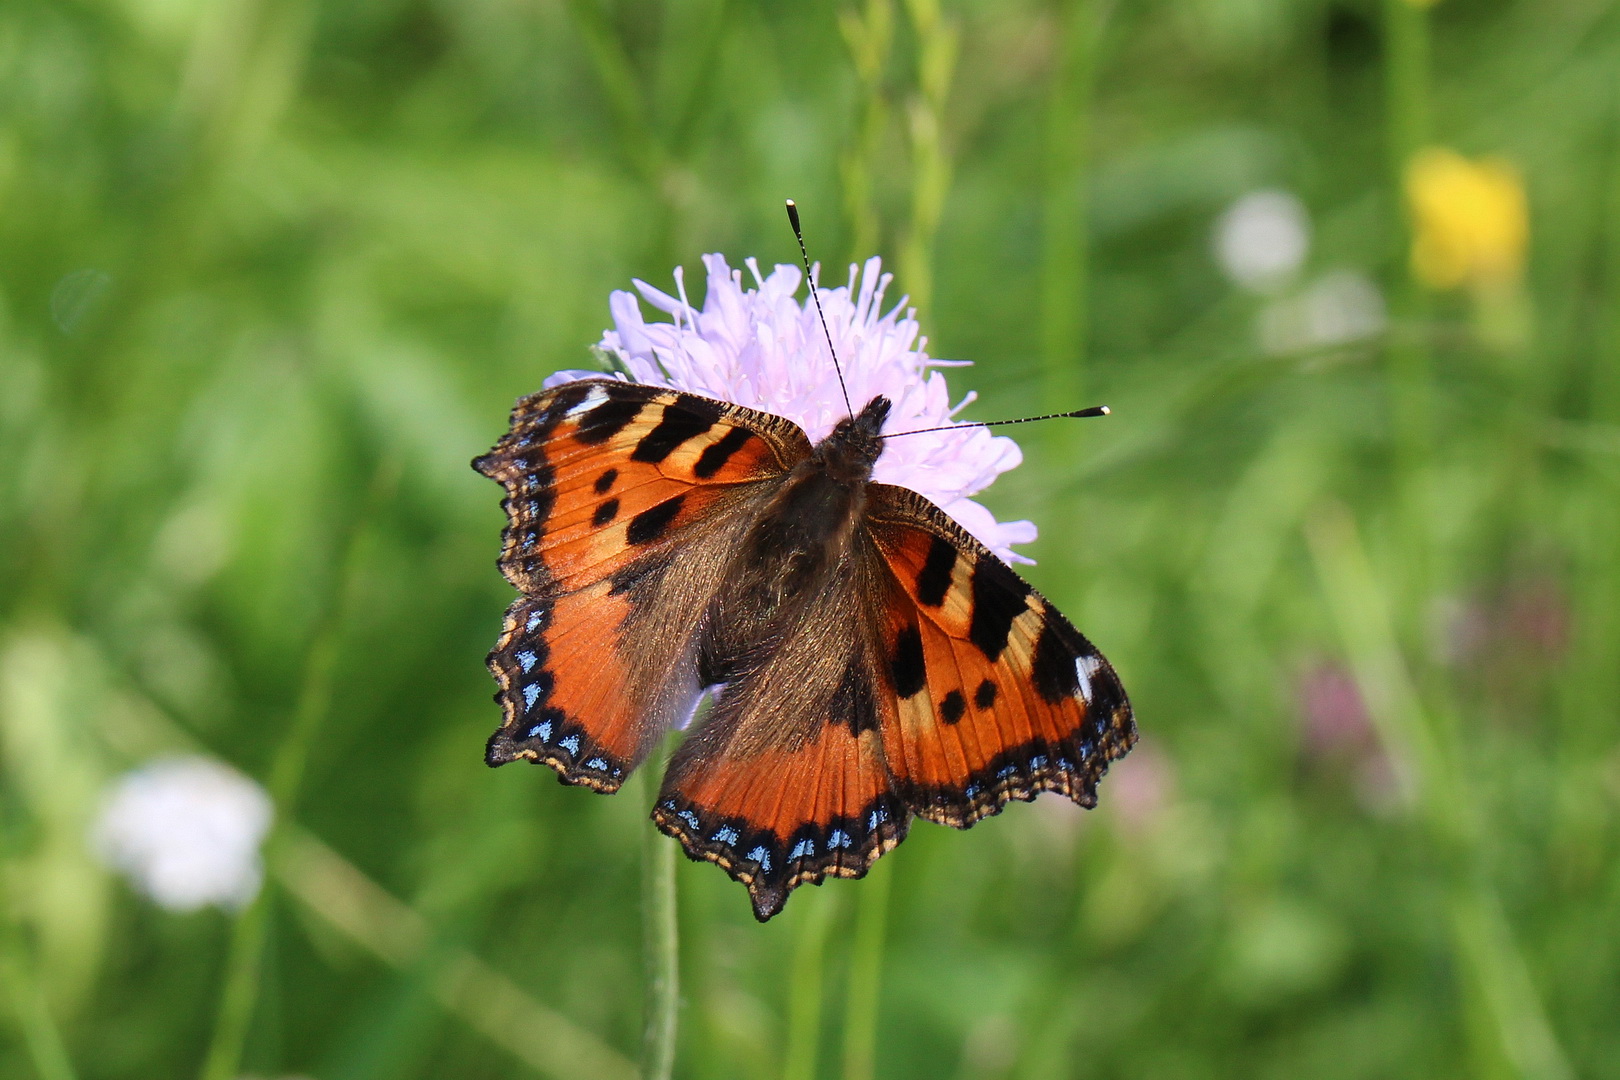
x: 805, y: 532
x: 848, y: 454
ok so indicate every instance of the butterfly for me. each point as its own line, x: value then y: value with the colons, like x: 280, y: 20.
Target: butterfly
x: 874, y: 662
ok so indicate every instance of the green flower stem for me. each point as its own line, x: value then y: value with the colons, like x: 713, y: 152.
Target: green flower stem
x: 806, y: 991
x: 1406, y: 121
x: 661, y: 937
x: 244, y: 956
x: 866, y: 975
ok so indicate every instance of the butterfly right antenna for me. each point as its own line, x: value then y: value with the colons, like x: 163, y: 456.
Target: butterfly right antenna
x: 793, y: 219
x: 1077, y: 414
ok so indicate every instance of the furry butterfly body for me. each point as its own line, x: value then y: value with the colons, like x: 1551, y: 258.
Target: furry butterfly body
x: 877, y: 662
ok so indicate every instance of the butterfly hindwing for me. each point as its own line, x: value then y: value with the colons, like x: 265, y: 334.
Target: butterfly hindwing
x: 995, y: 696
x: 624, y: 504
x: 784, y: 782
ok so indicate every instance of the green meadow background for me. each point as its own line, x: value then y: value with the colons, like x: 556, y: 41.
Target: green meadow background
x: 273, y: 271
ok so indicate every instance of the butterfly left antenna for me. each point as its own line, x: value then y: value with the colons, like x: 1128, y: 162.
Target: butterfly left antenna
x: 793, y: 219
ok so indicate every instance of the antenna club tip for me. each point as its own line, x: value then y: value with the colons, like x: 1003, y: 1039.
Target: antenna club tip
x: 790, y: 202
x: 1103, y: 410
x: 793, y: 217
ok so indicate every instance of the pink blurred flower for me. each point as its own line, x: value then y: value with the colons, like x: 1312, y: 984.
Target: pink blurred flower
x: 1529, y: 617
x: 1141, y: 787
x: 1334, y: 717
x: 1338, y: 730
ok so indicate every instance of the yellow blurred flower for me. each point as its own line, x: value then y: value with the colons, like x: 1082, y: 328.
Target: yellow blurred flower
x: 1470, y: 220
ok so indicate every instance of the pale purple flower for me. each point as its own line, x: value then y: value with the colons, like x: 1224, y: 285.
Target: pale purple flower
x: 763, y: 348
x: 186, y: 831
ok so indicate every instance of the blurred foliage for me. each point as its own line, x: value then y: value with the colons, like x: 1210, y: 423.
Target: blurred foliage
x: 256, y: 254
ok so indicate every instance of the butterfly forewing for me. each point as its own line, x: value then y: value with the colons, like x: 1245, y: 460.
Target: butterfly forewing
x: 995, y: 696
x: 625, y: 503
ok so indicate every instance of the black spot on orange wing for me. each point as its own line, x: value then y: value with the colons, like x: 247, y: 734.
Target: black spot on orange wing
x: 715, y: 456
x: 998, y: 599
x: 855, y: 703
x: 935, y: 578
x: 650, y: 524
x: 606, y: 420
x: 985, y: 695
x: 952, y: 708
x: 604, y: 483
x: 910, y: 673
x: 605, y: 513
x: 1052, y: 669
x: 677, y: 426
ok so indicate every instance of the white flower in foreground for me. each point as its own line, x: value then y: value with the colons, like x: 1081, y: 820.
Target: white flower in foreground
x: 1262, y: 239
x: 186, y: 831
x: 764, y: 349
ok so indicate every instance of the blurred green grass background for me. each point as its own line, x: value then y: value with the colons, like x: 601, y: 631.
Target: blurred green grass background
x: 272, y: 272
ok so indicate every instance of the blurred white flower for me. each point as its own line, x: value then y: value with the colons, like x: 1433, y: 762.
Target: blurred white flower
x: 186, y: 831
x: 1262, y: 239
x: 1337, y: 308
x: 765, y: 349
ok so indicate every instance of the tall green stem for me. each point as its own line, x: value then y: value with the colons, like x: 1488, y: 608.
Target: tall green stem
x: 804, y: 1005
x: 1406, y: 119
x: 244, y: 956
x: 937, y: 41
x: 661, y: 938
x: 866, y: 975
x: 869, y: 38
x: 1065, y: 248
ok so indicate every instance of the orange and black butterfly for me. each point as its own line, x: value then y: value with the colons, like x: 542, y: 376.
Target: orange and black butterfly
x: 877, y: 661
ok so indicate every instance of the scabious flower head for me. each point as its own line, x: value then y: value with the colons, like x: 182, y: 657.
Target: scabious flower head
x: 763, y: 348
x: 186, y: 831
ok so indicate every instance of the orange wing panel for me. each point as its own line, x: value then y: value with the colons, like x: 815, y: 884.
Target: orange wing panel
x: 996, y: 696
